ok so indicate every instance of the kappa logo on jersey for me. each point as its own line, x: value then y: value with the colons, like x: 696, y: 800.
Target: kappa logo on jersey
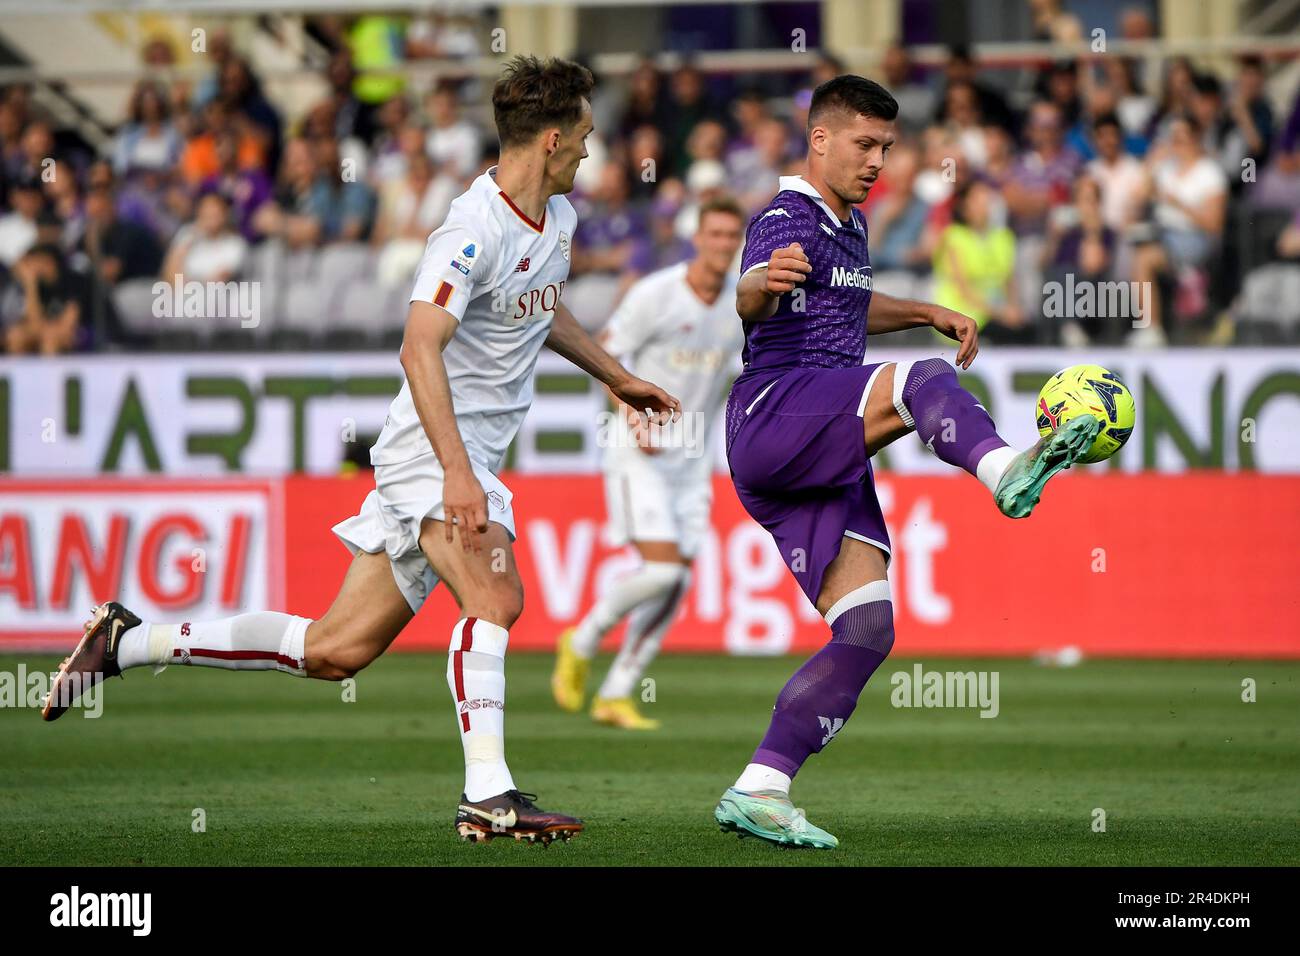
x: 858, y: 278
x: 523, y: 264
x: 778, y: 211
x: 832, y: 726
x: 827, y: 229
x: 464, y: 260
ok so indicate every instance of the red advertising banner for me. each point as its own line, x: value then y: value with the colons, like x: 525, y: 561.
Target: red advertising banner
x: 1192, y: 565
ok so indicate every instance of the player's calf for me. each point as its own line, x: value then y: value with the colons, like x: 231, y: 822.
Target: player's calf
x: 818, y: 700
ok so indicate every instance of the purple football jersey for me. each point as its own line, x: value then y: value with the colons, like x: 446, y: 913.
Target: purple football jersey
x: 823, y: 322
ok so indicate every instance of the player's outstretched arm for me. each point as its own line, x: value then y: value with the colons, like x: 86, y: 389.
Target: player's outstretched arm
x: 889, y: 314
x: 428, y: 330
x: 571, y: 340
x: 758, y: 290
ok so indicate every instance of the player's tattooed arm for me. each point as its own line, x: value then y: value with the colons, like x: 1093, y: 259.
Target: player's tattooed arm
x: 571, y: 340
x: 889, y: 314
x: 428, y: 330
x: 757, y: 291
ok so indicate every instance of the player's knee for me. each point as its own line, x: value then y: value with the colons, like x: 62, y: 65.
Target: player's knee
x: 502, y: 605
x: 922, y: 373
x: 336, y: 656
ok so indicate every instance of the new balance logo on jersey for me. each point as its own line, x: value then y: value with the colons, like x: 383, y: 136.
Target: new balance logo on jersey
x: 523, y: 265
x: 778, y: 211
x: 859, y: 278
x: 832, y: 727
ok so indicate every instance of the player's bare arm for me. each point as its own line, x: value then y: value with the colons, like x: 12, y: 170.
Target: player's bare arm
x: 571, y: 340
x: 889, y: 314
x: 758, y: 291
x: 428, y: 330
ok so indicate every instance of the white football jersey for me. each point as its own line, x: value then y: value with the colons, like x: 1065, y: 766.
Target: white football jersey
x: 687, y: 347
x: 501, y: 275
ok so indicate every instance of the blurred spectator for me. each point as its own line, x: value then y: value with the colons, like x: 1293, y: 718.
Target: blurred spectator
x: 974, y: 266
x: 965, y: 124
x: 18, y: 227
x: 753, y: 172
x: 689, y: 106
x: 199, y: 159
x: 610, y: 248
x: 646, y: 104
x: 1053, y: 24
x: 207, y: 249
x: 1249, y: 125
x: 116, y: 248
x: 915, y: 100
x: 352, y: 116
x: 897, y: 219
x: 1121, y: 178
x: 251, y: 111
x: 343, y: 206
x: 246, y: 190
x: 149, y: 139
x: 1279, y: 183
x: 1190, y: 193
x: 454, y: 142
x: 219, y: 52
x: 992, y: 104
x: 1082, y: 245
x: 1043, y: 177
x: 410, y: 207
x: 56, y: 305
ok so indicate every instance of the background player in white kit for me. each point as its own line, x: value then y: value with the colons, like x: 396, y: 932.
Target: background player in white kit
x: 677, y: 327
x: 486, y: 298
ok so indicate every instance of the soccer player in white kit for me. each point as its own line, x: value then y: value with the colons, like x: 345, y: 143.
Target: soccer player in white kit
x: 677, y: 327
x: 486, y: 299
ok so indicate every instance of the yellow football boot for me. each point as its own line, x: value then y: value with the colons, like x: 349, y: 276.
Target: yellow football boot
x: 620, y: 712
x: 569, y: 679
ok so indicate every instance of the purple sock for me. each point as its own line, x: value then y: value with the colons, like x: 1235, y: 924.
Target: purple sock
x: 946, y: 416
x: 817, y: 701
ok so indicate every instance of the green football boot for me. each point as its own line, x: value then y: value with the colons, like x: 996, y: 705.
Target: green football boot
x: 769, y: 814
x: 1022, y: 485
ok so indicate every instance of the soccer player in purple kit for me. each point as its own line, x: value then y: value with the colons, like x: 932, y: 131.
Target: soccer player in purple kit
x: 807, y: 413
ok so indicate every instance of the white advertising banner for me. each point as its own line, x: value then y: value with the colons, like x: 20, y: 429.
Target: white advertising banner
x: 202, y: 415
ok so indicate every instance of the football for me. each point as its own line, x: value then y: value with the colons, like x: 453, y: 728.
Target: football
x: 1088, y: 390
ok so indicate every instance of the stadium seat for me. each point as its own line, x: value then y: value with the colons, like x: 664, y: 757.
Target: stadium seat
x: 133, y: 300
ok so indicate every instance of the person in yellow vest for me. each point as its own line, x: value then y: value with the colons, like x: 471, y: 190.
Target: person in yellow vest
x: 376, y: 43
x: 974, y: 265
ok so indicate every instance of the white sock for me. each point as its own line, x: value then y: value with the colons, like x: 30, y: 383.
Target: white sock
x: 993, y: 465
x: 759, y: 777
x: 646, y: 627
x: 476, y: 674
x: 653, y: 579
x: 260, y: 641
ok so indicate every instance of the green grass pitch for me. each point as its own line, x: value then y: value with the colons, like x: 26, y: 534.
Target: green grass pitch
x: 286, y: 772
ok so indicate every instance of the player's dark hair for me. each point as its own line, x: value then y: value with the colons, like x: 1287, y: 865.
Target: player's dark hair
x: 851, y: 94
x: 724, y: 204
x: 533, y: 95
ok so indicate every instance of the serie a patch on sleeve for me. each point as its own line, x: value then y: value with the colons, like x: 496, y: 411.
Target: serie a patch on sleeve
x: 464, y: 260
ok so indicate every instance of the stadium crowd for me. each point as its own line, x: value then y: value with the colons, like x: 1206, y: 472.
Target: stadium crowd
x: 1002, y: 183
